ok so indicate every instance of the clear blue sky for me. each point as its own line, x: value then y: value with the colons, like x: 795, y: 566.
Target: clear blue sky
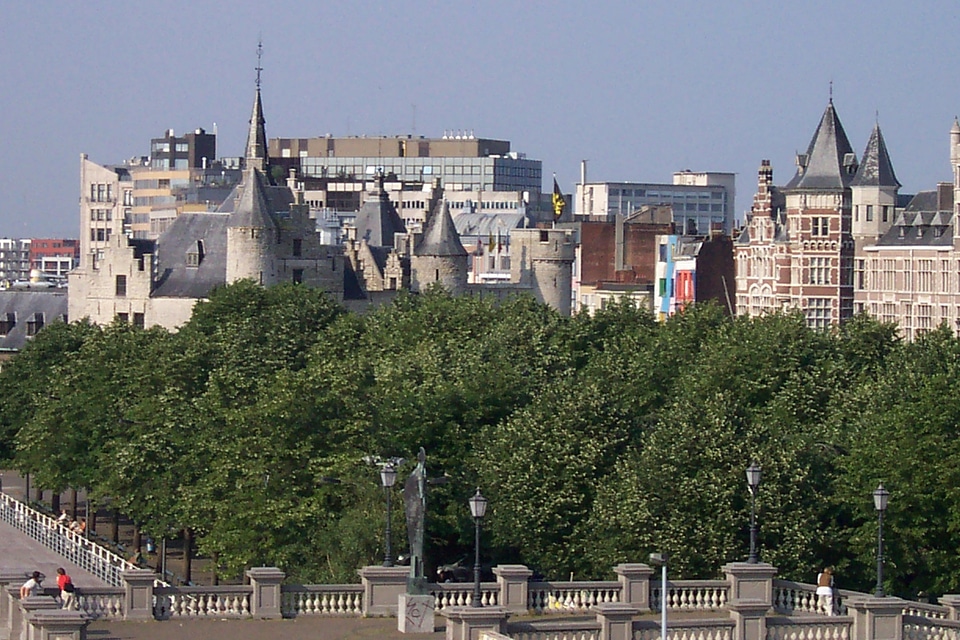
x: 640, y: 89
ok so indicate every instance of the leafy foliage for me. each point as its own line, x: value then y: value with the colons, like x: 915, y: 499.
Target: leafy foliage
x: 598, y: 439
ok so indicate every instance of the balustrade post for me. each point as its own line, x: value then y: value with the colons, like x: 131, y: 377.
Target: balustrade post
x: 60, y: 624
x: 29, y: 607
x: 382, y: 587
x: 616, y: 620
x: 513, y: 580
x: 876, y: 618
x: 952, y: 602
x: 751, y: 598
x: 468, y: 623
x: 11, y: 598
x: 137, y: 594
x: 635, y: 585
x: 8, y: 578
x: 266, y: 600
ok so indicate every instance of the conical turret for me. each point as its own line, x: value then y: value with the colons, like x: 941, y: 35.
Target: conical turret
x: 829, y: 163
x: 874, y: 192
x: 439, y: 258
x: 256, y: 150
x: 876, y: 170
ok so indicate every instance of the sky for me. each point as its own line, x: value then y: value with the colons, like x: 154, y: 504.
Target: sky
x: 638, y: 89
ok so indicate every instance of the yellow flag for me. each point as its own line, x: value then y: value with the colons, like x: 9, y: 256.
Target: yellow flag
x: 559, y: 204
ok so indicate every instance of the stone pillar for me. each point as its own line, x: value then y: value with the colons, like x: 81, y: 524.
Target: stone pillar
x: 513, y: 580
x: 382, y: 587
x: 29, y: 608
x: 876, y: 618
x: 416, y: 614
x: 750, y: 599
x: 266, y: 601
x: 59, y: 624
x: 635, y: 585
x: 11, y: 598
x: 8, y: 579
x: 951, y: 601
x: 616, y: 620
x: 467, y: 623
x: 137, y: 594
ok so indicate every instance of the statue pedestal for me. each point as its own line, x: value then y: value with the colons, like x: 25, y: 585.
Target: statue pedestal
x: 415, y: 614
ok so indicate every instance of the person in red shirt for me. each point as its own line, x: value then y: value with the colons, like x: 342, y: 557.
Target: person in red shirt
x: 67, y: 590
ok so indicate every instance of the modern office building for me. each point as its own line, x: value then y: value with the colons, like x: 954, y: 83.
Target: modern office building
x: 702, y: 202
x: 196, y: 150
x: 54, y: 257
x: 14, y: 260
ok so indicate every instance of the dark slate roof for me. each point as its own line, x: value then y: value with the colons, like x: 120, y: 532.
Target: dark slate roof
x: 256, y: 148
x: 24, y: 303
x: 827, y: 157
x: 440, y: 238
x: 485, y: 224
x: 923, y: 201
x: 912, y: 228
x: 378, y: 220
x: 744, y: 234
x: 174, y: 278
x: 251, y: 209
x: 876, y: 170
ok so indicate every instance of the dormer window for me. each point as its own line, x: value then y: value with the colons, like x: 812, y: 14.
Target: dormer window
x: 195, y: 255
x: 7, y: 322
x: 35, y: 323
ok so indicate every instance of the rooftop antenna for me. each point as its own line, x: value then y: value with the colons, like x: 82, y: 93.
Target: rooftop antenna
x: 259, y: 56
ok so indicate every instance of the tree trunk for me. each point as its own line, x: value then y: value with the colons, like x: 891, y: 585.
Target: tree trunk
x: 136, y: 538
x: 115, y: 527
x: 55, y: 503
x: 91, y: 518
x: 187, y: 555
x: 72, y: 498
x: 216, y: 569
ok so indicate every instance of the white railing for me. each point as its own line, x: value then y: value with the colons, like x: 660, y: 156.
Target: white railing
x: 691, y: 595
x: 720, y: 629
x: 924, y: 628
x: 924, y: 610
x: 460, y: 594
x: 100, y: 602
x: 329, y: 600
x: 809, y: 629
x: 73, y: 546
x: 554, y: 630
x: 790, y: 598
x: 569, y: 597
x: 202, y: 602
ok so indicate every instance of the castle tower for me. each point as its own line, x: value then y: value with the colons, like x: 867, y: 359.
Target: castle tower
x: 873, y: 192
x: 256, y: 149
x: 439, y: 258
x: 252, y: 234
x: 543, y: 260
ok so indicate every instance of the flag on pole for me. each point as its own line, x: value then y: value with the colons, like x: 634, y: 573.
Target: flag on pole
x: 559, y: 204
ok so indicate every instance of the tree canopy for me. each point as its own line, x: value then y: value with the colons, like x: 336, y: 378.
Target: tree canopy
x: 597, y: 439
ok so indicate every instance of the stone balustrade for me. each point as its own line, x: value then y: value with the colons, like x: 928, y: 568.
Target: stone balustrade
x: 571, y: 597
x: 323, y: 599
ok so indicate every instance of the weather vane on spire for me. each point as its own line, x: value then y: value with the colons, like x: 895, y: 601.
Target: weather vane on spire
x: 259, y: 55
x: 831, y: 91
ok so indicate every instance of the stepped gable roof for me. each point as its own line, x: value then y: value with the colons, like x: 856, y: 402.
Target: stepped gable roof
x: 440, y: 238
x: 876, y: 169
x: 189, y: 233
x: 256, y: 149
x: 828, y: 159
x: 24, y: 304
x: 250, y: 204
x: 378, y: 221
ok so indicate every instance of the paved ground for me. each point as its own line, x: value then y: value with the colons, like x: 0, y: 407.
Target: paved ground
x: 307, y: 627
x: 17, y: 551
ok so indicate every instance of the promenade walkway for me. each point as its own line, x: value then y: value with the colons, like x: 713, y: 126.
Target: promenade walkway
x: 17, y: 551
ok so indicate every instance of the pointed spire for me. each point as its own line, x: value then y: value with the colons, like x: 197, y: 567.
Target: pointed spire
x: 256, y: 150
x: 440, y: 237
x: 830, y: 162
x: 876, y: 169
x: 251, y: 211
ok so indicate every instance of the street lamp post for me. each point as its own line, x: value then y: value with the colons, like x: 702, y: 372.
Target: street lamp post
x: 754, y: 472
x: 388, y: 476
x: 661, y: 559
x: 478, y: 509
x: 880, y: 498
